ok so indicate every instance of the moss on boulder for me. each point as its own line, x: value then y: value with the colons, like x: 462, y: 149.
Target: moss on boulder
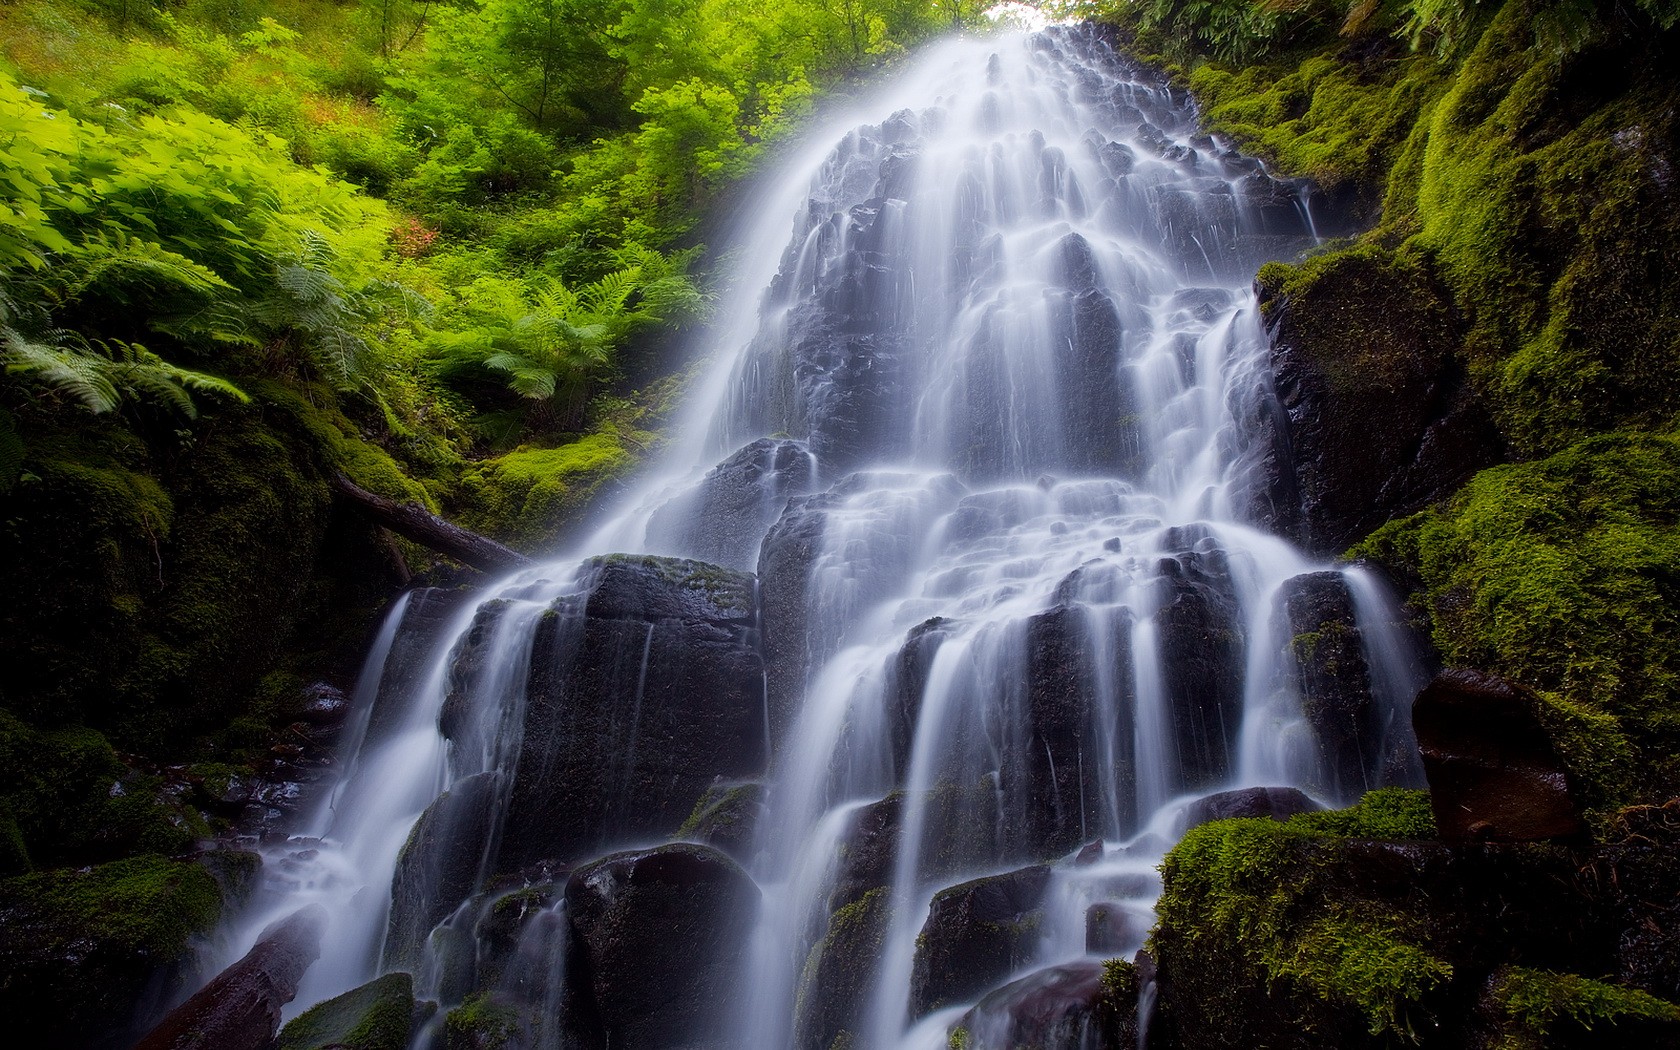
x: 377, y: 1016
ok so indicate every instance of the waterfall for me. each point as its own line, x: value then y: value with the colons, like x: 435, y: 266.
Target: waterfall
x: 978, y: 600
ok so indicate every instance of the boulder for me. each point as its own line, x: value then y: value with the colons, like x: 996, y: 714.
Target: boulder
x: 976, y: 934
x: 835, y: 983
x: 634, y: 707
x: 1054, y: 1007
x: 1111, y: 928
x: 1378, y: 419
x: 240, y: 1008
x: 426, y: 615
x: 379, y: 1015
x: 440, y: 865
x: 657, y: 942
x: 1328, y: 654
x: 723, y: 519
x: 1199, y: 626
x: 726, y: 818
x: 1493, y: 773
x: 1277, y: 803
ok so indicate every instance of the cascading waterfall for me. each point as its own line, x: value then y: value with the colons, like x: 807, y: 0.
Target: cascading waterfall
x: 991, y: 431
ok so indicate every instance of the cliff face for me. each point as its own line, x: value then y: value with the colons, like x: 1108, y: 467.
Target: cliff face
x: 1474, y: 398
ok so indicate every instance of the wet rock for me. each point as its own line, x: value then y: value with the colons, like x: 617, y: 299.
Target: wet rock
x: 907, y: 680
x: 1054, y: 1007
x: 1335, y: 684
x: 440, y: 865
x: 240, y: 1008
x: 784, y: 573
x: 1276, y: 803
x: 1111, y: 928
x: 726, y: 516
x: 426, y: 616
x: 463, y: 721
x: 87, y: 954
x: 634, y: 707
x: 836, y: 980
x: 975, y: 935
x: 870, y: 852
x: 726, y: 818
x: 1201, y: 642
x: 380, y: 1015
x: 324, y: 706
x: 1056, y: 797
x: 1493, y: 773
x: 504, y: 924
x: 657, y: 943
x: 1099, y: 412
x: 1378, y: 420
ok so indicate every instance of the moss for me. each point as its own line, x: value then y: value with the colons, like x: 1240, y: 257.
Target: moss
x: 148, y: 905
x: 1564, y: 574
x: 958, y: 1039
x: 1248, y: 906
x: 527, y: 497
x: 377, y: 1016
x: 1538, y: 1003
x: 1325, y: 118
x: 480, y: 1023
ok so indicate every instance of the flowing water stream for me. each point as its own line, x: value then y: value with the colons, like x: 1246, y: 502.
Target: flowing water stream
x: 989, y: 418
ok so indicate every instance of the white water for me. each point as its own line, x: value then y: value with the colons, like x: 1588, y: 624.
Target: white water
x: 1005, y: 308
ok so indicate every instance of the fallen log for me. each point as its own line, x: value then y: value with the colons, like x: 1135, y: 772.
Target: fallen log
x: 414, y: 522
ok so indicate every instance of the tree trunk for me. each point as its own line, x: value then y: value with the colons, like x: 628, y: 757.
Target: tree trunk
x: 414, y: 522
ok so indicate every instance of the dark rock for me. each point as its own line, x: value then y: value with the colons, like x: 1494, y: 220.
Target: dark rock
x: 240, y: 1008
x: 657, y: 943
x: 976, y: 934
x: 1090, y: 853
x: 464, y: 719
x: 1056, y: 798
x: 505, y: 924
x: 324, y: 705
x: 1335, y: 684
x: 89, y: 955
x: 724, y: 519
x: 1493, y: 773
x: 835, y: 983
x: 1277, y: 803
x: 785, y: 562
x: 907, y: 679
x: 1055, y: 1007
x: 380, y: 1015
x: 441, y: 864
x: 1111, y: 928
x: 726, y: 818
x: 1201, y: 641
x: 428, y: 613
x: 634, y: 707
x: 1378, y: 419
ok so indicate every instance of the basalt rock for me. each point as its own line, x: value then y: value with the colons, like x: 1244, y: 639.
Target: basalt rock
x: 1493, y: 773
x: 1201, y: 640
x: 240, y: 1008
x: 440, y: 864
x: 725, y: 517
x: 634, y: 707
x: 1054, y: 1007
x: 834, y: 985
x: 725, y: 818
x: 976, y: 934
x: 1276, y: 803
x: 1378, y: 418
x: 657, y: 943
x: 427, y: 614
x: 1329, y: 659
x: 379, y: 1015
x: 785, y: 561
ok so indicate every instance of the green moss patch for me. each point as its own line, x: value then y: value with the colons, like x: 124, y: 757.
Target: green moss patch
x: 527, y: 497
x: 1564, y: 574
x: 1538, y: 1006
x: 377, y: 1016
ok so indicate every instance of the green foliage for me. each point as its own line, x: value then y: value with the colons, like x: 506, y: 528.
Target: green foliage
x: 1561, y: 574
x: 1542, y: 1003
x: 530, y: 495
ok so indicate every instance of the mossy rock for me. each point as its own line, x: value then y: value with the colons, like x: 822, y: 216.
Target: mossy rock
x: 529, y: 496
x: 85, y: 948
x: 1530, y: 1009
x: 377, y: 1016
x: 1564, y: 575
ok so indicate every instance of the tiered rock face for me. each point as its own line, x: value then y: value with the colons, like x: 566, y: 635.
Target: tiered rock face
x: 633, y: 708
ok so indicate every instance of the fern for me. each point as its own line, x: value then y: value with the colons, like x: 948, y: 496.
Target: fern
x: 100, y: 376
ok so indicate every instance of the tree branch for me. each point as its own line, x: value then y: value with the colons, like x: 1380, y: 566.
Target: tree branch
x: 414, y: 522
